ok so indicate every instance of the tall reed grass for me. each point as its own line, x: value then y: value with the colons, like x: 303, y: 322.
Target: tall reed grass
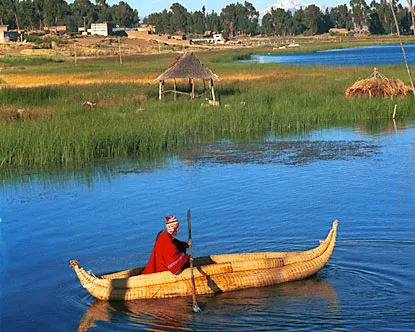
x: 129, y: 121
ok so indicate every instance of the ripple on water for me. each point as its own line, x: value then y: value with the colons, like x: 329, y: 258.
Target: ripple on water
x: 383, y: 288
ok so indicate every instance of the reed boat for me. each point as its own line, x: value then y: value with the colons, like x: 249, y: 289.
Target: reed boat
x: 212, y: 274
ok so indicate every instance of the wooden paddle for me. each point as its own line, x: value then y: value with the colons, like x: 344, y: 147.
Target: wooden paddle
x: 196, y: 308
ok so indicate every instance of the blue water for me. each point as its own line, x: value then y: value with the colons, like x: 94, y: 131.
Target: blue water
x: 359, y: 56
x: 278, y: 194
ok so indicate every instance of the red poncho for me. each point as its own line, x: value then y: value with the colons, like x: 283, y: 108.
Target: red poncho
x: 168, y: 254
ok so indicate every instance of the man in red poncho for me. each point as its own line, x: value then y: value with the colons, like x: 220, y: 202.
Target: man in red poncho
x: 168, y: 252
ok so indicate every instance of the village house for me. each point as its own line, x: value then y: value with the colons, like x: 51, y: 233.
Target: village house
x: 141, y: 32
x: 56, y: 29
x: 210, y: 38
x: 147, y: 33
x: 178, y: 36
x: 121, y: 31
x: 7, y: 35
x: 100, y: 29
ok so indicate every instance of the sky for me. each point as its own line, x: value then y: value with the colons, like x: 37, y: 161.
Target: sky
x: 146, y: 7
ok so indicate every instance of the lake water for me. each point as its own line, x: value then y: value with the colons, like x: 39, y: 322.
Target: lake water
x: 279, y: 194
x: 376, y: 55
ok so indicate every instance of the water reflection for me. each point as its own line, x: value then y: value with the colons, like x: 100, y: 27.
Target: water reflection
x: 21, y: 182
x: 380, y: 127
x: 245, y: 310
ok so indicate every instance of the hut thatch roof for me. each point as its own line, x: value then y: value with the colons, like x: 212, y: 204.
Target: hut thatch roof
x: 187, y: 66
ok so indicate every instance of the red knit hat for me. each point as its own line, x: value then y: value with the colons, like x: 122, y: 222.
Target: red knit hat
x: 171, y: 219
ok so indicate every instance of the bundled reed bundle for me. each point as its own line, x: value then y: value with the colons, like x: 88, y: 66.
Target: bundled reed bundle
x: 376, y: 86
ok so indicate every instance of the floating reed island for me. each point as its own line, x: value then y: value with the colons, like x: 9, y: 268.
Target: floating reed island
x: 378, y: 85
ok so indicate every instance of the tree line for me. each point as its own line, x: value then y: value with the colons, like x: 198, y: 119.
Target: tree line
x: 243, y: 19
x: 37, y: 14
x: 233, y: 20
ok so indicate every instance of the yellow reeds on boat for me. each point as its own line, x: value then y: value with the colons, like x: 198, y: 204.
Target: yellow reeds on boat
x: 213, y: 274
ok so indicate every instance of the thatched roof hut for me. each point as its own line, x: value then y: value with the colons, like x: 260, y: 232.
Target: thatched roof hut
x: 187, y: 66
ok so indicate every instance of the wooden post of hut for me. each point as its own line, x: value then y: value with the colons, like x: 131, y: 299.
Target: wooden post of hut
x: 212, y: 90
x: 185, y: 67
x: 161, y: 90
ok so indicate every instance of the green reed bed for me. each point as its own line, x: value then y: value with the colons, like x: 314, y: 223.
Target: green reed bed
x: 129, y: 121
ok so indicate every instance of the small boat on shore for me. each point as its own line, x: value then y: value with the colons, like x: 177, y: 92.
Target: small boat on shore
x: 212, y: 274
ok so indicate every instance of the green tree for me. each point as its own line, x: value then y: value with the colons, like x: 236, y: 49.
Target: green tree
x: 375, y: 25
x: 26, y: 17
x: 83, y: 13
x: 252, y: 16
x: 239, y: 19
x: 229, y: 20
x: 327, y: 23
x: 341, y: 17
x: 360, y: 13
x: 124, y: 15
x: 267, y: 24
x: 313, y: 20
x: 54, y: 12
x: 180, y: 18
x: 385, y: 15
x: 38, y: 13
x: 280, y: 21
x: 299, y: 26
x: 403, y: 15
x: 49, y: 12
x: 11, y: 11
x: 104, y: 11
x: 198, y: 22
x: 6, y: 12
x: 214, y: 22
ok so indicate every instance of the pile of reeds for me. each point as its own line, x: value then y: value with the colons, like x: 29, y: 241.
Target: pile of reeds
x: 375, y: 86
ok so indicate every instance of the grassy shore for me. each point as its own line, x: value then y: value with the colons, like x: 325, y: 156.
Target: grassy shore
x: 49, y: 125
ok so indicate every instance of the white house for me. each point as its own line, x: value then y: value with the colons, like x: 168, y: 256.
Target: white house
x: 101, y: 29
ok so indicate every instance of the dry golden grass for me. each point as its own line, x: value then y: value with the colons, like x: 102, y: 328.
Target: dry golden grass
x: 21, y: 80
x: 259, y: 76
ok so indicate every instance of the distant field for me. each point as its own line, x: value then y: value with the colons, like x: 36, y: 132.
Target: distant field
x: 19, y: 71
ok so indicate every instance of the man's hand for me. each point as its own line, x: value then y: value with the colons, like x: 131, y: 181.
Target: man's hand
x: 189, y: 243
